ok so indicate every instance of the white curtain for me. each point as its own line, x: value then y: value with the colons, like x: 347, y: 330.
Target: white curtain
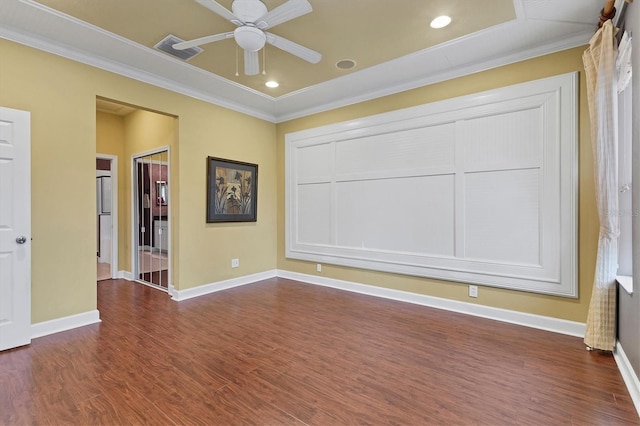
x: 599, y: 63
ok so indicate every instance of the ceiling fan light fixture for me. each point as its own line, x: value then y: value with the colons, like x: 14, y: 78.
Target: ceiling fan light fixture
x: 440, y: 22
x: 250, y: 38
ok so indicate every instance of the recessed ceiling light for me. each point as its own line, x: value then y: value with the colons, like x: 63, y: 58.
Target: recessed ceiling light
x: 272, y: 84
x: 441, y: 22
x: 345, y: 64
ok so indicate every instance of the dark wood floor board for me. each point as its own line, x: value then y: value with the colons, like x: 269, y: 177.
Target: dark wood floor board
x: 399, y: 394
x: 121, y: 403
x: 233, y: 405
x: 280, y: 352
x: 544, y: 411
x: 15, y: 408
x: 344, y: 404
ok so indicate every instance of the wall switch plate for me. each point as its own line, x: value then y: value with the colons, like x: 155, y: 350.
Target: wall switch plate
x: 235, y: 263
x: 473, y: 291
x: 318, y: 268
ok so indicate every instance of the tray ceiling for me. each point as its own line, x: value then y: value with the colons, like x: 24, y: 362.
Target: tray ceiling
x: 391, y: 42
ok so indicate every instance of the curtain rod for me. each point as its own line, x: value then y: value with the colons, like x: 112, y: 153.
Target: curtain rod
x: 609, y: 11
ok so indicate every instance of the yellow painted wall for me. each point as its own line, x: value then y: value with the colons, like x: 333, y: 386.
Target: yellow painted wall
x: 61, y: 96
x: 237, y: 137
x: 570, y: 309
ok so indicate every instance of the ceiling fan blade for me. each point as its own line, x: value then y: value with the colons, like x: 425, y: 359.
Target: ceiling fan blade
x: 283, y: 13
x: 294, y: 48
x: 216, y: 7
x: 251, y: 63
x: 202, y: 40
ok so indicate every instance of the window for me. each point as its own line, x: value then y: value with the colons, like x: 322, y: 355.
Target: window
x: 625, y: 209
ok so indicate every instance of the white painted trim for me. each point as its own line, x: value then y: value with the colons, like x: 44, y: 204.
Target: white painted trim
x: 628, y: 375
x: 556, y: 100
x: 285, y: 113
x: 555, y: 325
x: 180, y: 295
x: 172, y: 292
x: 626, y: 282
x: 133, y: 214
x: 114, y: 210
x: 125, y: 275
x: 57, y: 325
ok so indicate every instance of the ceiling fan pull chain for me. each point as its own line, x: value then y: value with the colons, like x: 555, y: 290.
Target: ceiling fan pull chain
x: 264, y: 60
x: 237, y: 74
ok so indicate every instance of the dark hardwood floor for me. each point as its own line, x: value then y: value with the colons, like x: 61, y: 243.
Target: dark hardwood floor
x: 284, y: 353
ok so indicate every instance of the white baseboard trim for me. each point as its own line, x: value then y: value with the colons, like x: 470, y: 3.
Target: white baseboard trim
x: 65, y: 323
x: 201, y: 290
x: 172, y: 292
x: 125, y: 275
x: 556, y: 325
x: 629, y: 376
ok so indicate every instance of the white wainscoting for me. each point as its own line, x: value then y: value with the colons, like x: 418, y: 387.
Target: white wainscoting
x: 479, y: 189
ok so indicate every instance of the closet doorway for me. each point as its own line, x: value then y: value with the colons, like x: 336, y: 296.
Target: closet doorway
x: 151, y: 224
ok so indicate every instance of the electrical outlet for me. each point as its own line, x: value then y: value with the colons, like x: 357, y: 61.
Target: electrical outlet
x: 473, y: 291
x: 318, y: 268
x: 235, y: 263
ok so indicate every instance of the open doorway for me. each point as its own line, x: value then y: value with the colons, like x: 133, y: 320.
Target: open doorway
x: 151, y: 206
x: 137, y: 141
x: 106, y: 216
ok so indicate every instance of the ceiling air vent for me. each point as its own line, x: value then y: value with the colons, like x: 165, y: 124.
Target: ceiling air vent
x: 166, y: 45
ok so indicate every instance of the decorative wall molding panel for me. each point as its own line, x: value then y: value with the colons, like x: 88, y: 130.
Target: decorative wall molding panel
x: 479, y: 189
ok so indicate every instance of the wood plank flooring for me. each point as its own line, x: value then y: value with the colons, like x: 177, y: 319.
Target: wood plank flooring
x: 284, y: 353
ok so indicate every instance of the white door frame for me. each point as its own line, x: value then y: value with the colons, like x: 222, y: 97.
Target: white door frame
x: 114, y: 211
x: 134, y: 214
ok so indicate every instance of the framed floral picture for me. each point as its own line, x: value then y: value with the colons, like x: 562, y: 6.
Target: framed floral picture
x: 232, y: 191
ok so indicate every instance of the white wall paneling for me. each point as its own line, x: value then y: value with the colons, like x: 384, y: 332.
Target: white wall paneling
x: 479, y: 189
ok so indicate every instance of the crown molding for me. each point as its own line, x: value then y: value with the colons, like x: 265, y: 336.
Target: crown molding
x: 32, y: 24
x: 448, y: 74
x: 55, y: 32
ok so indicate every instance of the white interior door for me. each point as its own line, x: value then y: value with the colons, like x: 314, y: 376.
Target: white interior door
x: 15, y: 228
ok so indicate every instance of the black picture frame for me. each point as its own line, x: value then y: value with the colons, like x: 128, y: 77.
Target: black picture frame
x: 232, y: 191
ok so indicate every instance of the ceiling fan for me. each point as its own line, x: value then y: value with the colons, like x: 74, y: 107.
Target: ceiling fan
x: 252, y: 19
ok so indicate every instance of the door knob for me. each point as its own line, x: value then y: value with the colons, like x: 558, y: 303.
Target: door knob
x: 21, y: 240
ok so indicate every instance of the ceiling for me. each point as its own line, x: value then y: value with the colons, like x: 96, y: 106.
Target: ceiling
x: 390, y: 41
